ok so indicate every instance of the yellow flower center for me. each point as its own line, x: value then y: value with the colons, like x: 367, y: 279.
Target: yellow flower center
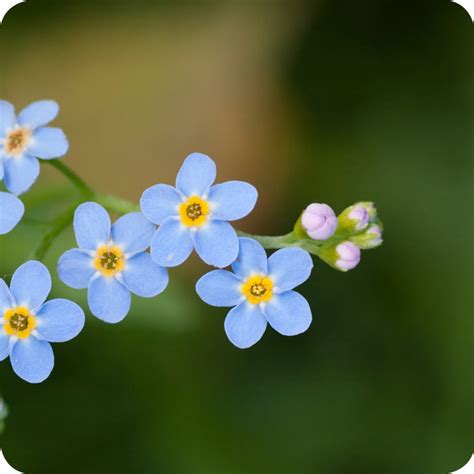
x: 109, y: 260
x: 258, y: 289
x: 17, y: 141
x: 194, y: 212
x: 19, y: 322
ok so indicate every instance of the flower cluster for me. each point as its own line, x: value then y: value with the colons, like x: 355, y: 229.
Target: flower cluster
x: 24, y: 139
x: 133, y: 254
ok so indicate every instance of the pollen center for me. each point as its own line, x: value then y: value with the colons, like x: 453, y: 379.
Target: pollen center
x: 258, y: 289
x: 17, y: 141
x: 109, y: 260
x: 194, y: 212
x: 19, y: 322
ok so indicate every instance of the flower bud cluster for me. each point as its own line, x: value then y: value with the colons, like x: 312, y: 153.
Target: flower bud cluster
x: 339, y: 240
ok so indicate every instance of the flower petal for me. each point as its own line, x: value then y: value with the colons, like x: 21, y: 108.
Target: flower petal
x: 48, y: 143
x: 171, y: 244
x: 38, y: 113
x: 288, y: 313
x: 11, y: 212
x: 232, y: 200
x: 217, y: 243
x: 7, y: 117
x: 91, y: 226
x: 32, y: 359
x: 159, y: 202
x: 197, y: 173
x: 6, y: 299
x: 108, y: 299
x: 219, y: 288
x: 144, y: 277
x: 133, y: 232
x: 245, y: 325
x: 289, y: 268
x: 252, y: 259
x: 76, y: 268
x: 60, y: 320
x: 20, y: 173
x: 31, y: 284
x: 4, y: 344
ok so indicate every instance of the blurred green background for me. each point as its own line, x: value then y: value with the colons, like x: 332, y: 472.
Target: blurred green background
x: 311, y: 102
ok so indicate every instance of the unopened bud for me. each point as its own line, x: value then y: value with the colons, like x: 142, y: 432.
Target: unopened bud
x: 349, y: 256
x: 353, y: 219
x: 319, y: 221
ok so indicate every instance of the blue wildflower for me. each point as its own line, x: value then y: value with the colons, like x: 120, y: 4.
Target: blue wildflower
x: 111, y: 261
x: 195, y: 214
x: 11, y: 211
x: 24, y: 139
x: 260, y: 290
x: 29, y: 323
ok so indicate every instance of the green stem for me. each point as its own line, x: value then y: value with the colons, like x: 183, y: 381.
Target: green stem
x: 56, y: 227
x: 273, y: 242
x: 75, y: 179
x: 115, y: 204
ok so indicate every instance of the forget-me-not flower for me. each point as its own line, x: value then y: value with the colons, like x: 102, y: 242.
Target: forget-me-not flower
x: 24, y: 139
x: 28, y: 324
x: 111, y: 261
x: 195, y: 214
x: 11, y: 211
x: 261, y: 291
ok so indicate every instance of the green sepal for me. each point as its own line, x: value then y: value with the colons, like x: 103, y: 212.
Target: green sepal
x: 368, y: 239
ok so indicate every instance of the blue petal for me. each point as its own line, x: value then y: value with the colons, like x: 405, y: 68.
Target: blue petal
x: 6, y: 300
x: 20, y: 173
x: 217, y: 243
x: 133, y: 232
x: 32, y: 360
x: 11, y: 211
x: 144, y: 277
x: 7, y: 117
x: 245, y: 325
x: 288, y: 313
x: 4, y: 345
x: 59, y: 320
x: 289, y: 268
x: 220, y: 288
x: 108, y: 299
x: 171, y: 244
x: 48, y: 143
x: 38, y: 113
x: 197, y: 173
x: 76, y: 268
x: 252, y: 259
x: 159, y: 202
x: 232, y: 200
x: 31, y: 284
x: 91, y: 226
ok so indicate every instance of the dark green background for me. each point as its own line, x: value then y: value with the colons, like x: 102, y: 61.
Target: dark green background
x: 311, y: 102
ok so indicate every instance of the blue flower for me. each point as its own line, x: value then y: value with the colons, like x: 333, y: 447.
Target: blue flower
x: 260, y: 290
x: 24, y: 139
x: 195, y: 214
x: 111, y: 261
x: 29, y: 324
x: 11, y: 211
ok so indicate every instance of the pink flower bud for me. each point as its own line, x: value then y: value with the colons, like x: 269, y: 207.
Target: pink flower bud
x: 360, y: 216
x: 349, y: 256
x: 319, y: 221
